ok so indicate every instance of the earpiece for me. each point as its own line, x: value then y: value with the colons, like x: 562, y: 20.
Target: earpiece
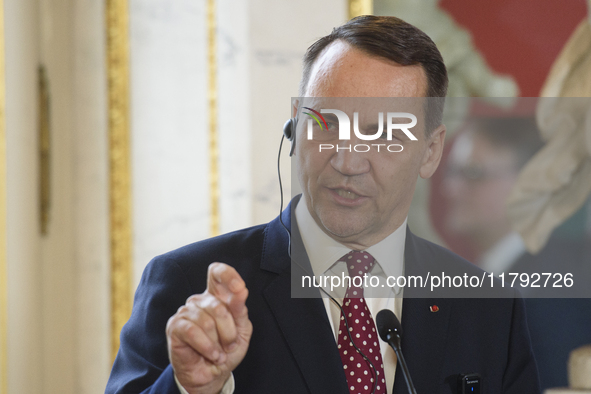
x: 289, y: 128
x: 289, y: 131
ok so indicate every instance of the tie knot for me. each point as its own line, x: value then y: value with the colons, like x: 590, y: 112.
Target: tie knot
x: 358, y: 263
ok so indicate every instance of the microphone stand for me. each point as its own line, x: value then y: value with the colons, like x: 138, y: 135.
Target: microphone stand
x: 394, y: 341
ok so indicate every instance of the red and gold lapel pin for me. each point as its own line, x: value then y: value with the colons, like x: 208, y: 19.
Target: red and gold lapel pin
x: 434, y: 308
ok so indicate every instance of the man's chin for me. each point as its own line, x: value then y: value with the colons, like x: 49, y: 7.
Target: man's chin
x: 343, y: 231
x: 342, y: 223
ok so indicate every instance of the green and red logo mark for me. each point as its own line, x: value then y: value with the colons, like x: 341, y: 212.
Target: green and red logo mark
x: 316, y: 117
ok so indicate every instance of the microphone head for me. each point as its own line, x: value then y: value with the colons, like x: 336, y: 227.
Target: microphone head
x: 388, y: 323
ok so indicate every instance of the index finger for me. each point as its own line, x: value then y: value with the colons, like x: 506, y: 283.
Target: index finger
x: 226, y: 284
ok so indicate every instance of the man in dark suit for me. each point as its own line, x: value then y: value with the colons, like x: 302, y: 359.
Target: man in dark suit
x: 227, y: 327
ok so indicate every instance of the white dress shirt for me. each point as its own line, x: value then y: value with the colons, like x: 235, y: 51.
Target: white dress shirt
x: 323, y: 252
x: 227, y: 389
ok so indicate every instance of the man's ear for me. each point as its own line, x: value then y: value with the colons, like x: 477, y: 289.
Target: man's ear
x: 433, y: 153
x: 295, y: 104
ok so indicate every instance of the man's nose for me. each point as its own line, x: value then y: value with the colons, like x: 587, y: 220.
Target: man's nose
x: 350, y: 162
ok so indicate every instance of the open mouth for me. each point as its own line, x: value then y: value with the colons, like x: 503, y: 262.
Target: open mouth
x: 347, y: 194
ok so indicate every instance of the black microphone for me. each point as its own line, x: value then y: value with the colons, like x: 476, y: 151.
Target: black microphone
x: 390, y: 331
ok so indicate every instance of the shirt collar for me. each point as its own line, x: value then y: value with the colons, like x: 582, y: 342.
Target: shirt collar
x: 323, y: 251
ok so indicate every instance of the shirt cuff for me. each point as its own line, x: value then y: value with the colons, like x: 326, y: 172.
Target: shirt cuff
x: 227, y: 389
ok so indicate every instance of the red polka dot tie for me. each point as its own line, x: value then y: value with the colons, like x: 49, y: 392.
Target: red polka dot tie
x: 360, y: 375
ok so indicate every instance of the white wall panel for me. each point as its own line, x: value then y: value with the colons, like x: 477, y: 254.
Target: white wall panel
x: 280, y: 33
x: 169, y: 126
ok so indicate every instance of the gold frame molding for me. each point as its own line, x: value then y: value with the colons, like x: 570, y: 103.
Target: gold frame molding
x: 117, y: 27
x: 212, y: 100
x: 360, y: 7
x: 3, y: 222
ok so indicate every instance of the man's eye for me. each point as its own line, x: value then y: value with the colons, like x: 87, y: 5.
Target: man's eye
x: 331, y: 126
x: 395, y: 136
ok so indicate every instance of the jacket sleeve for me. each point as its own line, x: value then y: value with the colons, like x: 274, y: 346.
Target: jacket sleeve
x: 521, y: 373
x: 142, y: 364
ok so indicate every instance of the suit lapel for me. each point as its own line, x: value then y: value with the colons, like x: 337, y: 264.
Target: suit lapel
x: 303, y: 321
x: 306, y: 330
x: 424, y: 332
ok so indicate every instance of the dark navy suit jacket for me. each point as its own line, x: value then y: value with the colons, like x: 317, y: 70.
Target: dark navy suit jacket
x: 293, y: 349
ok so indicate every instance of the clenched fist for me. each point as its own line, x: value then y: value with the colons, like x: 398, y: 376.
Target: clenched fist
x: 209, y: 335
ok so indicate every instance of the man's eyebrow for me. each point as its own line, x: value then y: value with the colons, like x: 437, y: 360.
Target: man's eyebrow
x: 373, y: 126
x: 331, y: 117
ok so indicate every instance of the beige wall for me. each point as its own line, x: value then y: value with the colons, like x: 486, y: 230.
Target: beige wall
x: 25, y: 274
x: 57, y: 263
x: 90, y: 199
x: 58, y: 290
